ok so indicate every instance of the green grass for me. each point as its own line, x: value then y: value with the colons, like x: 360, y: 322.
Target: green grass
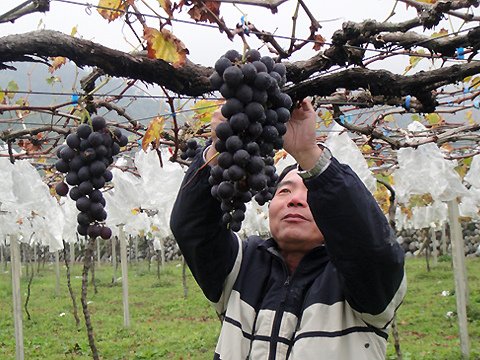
x: 164, y: 325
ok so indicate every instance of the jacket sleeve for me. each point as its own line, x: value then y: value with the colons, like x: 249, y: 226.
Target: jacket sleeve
x: 360, y: 243
x: 209, y: 248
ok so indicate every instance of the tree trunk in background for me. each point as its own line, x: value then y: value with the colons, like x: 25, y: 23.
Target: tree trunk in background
x: 124, y: 263
x: 57, y: 274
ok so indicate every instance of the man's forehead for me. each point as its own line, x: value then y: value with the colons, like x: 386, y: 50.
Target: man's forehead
x: 292, y: 177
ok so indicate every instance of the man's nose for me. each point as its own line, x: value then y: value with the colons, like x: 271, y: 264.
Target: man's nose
x: 296, y: 200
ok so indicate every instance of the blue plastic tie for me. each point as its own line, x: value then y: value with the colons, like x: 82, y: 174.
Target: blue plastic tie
x: 466, y: 89
x: 378, y: 147
x: 342, y: 119
x: 408, y: 98
x: 349, y: 119
x: 75, y: 98
x: 460, y: 53
x: 476, y: 104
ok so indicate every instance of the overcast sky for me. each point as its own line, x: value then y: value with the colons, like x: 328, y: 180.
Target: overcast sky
x: 205, y: 44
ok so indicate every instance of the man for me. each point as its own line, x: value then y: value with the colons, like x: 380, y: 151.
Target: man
x: 325, y: 285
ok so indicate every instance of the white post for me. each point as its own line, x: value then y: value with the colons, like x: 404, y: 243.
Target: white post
x: 17, y: 300
x: 433, y: 241
x: 123, y: 261
x: 114, y: 258
x: 72, y: 253
x: 444, y: 239
x: 57, y: 274
x: 460, y: 274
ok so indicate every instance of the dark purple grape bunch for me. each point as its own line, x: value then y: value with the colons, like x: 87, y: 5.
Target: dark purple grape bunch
x: 85, y: 160
x: 257, y: 111
x: 191, y: 149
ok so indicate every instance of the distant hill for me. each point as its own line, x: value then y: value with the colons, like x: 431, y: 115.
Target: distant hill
x: 41, y: 88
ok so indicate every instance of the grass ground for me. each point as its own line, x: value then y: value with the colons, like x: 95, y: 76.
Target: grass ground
x: 165, y: 325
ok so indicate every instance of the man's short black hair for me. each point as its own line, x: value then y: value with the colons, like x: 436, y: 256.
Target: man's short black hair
x: 284, y: 173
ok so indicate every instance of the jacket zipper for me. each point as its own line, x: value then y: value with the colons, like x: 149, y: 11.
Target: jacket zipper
x: 277, y: 321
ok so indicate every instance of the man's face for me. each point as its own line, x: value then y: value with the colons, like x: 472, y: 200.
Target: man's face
x: 291, y: 221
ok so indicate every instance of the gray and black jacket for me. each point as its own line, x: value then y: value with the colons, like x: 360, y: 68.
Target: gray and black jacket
x: 336, y: 305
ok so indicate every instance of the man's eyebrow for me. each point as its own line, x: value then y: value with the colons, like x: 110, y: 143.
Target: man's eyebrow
x: 284, y: 182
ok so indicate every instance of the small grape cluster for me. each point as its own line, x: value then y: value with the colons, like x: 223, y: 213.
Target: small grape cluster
x: 84, y: 159
x: 257, y: 112
x: 192, y: 149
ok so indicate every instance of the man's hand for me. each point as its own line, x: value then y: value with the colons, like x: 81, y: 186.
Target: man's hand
x: 217, y: 118
x: 300, y: 139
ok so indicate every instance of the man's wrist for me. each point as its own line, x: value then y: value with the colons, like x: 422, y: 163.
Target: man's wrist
x: 321, y: 163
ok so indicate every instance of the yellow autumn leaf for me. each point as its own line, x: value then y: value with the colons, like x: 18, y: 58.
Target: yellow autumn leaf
x: 366, y: 149
x: 153, y: 133
x: 135, y: 211
x: 433, y: 118
x: 204, y: 109
x: 166, y: 46
x: 74, y: 31
x: 470, y: 119
x: 442, y: 32
x: 57, y: 62
x: 389, y: 118
x: 413, y: 61
x: 111, y: 9
x: 326, y: 117
x: 280, y: 154
x: 475, y: 82
x: 2, y: 96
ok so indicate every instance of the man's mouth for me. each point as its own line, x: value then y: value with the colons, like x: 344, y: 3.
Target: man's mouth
x: 294, y: 216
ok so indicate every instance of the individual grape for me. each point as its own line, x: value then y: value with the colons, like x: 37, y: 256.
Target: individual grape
x: 233, y: 55
x: 98, y: 182
x: 82, y: 229
x: 252, y: 55
x: 280, y: 69
x: 86, y: 187
x: 238, y: 123
x: 62, y: 166
x: 72, y: 178
x: 244, y: 93
x: 233, y: 143
x: 105, y: 233
x: 227, y: 91
x: 268, y: 61
x: 83, y: 204
x: 222, y: 64
x: 97, y: 168
x: 249, y: 73
x: 61, y: 189
x: 231, y: 107
x: 83, y: 218
x: 216, y: 81
x: 83, y: 173
x: 123, y: 141
x: 259, y: 66
x: 83, y: 131
x: 225, y: 190
x: 233, y: 76
x: 223, y: 131
x: 98, y: 123
x: 93, y: 230
x: 67, y: 153
x: 73, y: 141
x: 75, y: 193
